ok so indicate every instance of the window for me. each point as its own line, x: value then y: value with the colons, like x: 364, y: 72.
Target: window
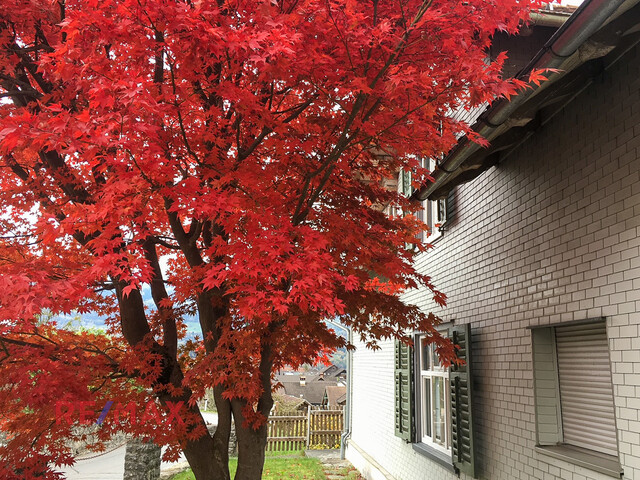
x: 435, y: 407
x: 434, y: 213
x: 433, y: 404
x: 575, y: 414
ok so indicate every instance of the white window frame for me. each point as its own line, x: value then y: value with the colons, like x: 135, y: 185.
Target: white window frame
x: 434, y: 212
x: 427, y: 424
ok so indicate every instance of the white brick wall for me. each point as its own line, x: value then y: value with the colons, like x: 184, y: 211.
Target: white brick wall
x: 550, y: 235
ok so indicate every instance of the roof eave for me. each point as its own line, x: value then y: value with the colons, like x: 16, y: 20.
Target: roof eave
x: 506, y: 123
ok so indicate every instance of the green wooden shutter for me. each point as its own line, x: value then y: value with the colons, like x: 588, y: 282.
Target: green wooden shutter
x: 450, y: 207
x: 441, y: 215
x: 460, y: 389
x: 405, y: 183
x: 406, y: 190
x: 404, y: 396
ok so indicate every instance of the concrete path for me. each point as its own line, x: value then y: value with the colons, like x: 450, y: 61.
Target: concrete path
x: 210, y: 417
x: 106, y: 466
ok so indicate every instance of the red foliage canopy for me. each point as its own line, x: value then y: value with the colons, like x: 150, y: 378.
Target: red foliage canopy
x: 229, y: 156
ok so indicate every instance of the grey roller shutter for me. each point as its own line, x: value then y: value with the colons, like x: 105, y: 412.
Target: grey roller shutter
x: 462, y: 449
x: 547, y: 392
x: 586, y: 392
x: 403, y: 380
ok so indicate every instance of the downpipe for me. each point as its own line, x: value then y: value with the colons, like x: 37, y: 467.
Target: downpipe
x: 347, y: 411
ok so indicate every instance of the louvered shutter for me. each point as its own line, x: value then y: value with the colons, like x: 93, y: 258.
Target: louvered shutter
x: 406, y: 189
x: 405, y: 183
x: 450, y: 207
x: 404, y: 391
x: 460, y: 394
x: 586, y: 391
x: 420, y: 216
x: 441, y: 216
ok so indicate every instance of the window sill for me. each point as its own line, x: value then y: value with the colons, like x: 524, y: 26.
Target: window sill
x: 599, y: 462
x: 437, y: 456
x: 434, y: 238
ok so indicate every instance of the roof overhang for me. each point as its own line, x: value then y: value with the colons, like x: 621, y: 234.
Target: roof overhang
x: 594, y: 37
x: 550, y: 16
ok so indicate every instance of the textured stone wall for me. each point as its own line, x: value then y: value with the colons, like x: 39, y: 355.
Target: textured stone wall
x: 142, y: 460
x: 87, y: 433
x: 551, y: 235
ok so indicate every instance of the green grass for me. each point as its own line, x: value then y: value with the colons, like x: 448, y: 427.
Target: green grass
x: 277, y: 468
x: 186, y: 475
x: 286, y: 453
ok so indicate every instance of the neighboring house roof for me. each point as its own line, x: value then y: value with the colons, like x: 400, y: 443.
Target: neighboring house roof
x: 592, y: 39
x: 312, y: 391
x: 333, y: 371
x: 310, y: 385
x: 294, y: 401
x: 292, y: 378
x: 335, y: 395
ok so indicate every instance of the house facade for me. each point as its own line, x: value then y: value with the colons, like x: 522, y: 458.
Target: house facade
x: 540, y: 260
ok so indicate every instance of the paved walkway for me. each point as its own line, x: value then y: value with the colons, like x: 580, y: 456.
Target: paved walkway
x: 110, y: 465
x: 334, y: 468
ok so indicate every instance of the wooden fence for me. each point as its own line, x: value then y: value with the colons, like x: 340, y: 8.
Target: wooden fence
x: 326, y: 427
x: 287, y: 433
x: 317, y: 429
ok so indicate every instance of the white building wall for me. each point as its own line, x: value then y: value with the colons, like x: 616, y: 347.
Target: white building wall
x: 550, y: 235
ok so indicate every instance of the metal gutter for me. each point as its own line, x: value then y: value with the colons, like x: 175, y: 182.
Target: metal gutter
x: 586, y: 20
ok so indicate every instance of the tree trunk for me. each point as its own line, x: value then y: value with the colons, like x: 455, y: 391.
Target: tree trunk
x: 204, y: 459
x: 251, y: 446
x: 223, y: 430
x: 208, y: 456
x: 252, y: 443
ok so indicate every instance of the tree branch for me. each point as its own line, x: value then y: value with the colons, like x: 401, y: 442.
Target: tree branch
x: 187, y: 244
x: 161, y: 299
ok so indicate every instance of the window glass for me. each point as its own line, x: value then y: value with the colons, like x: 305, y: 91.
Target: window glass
x: 438, y: 410
x: 435, y: 359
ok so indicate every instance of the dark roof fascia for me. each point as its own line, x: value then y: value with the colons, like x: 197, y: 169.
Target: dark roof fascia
x: 581, y: 41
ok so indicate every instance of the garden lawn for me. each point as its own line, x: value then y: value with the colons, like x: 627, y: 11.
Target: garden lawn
x: 277, y: 468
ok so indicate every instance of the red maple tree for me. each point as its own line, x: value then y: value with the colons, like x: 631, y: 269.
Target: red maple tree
x: 230, y: 157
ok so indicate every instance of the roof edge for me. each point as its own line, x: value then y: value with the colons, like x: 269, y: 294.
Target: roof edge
x: 575, y: 31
